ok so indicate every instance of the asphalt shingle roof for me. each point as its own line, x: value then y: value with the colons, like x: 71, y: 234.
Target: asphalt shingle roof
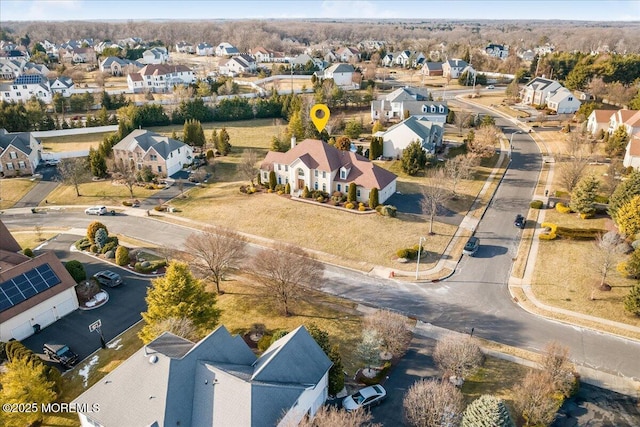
x: 148, y: 140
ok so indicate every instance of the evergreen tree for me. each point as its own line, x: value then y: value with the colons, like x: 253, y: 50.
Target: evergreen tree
x: 352, y: 193
x: 223, y: 145
x: 628, y: 217
x: 584, y: 195
x: 617, y: 143
x: 336, y: 374
x: 373, y: 198
x: 375, y: 149
x: 369, y: 348
x: 624, y: 192
x: 179, y: 295
x: 193, y: 133
x: 632, y: 300
x: 287, y: 188
x: 25, y: 382
x: 122, y: 255
x: 487, y: 411
x: 97, y: 163
x: 414, y: 159
x: 296, y: 126
x: 377, y: 127
x: 273, y: 181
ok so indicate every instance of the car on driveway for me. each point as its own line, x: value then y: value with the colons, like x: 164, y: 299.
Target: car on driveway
x: 491, y: 87
x: 471, y: 247
x: 368, y: 396
x: 108, y: 278
x: 60, y: 353
x: 96, y: 210
x: 520, y: 221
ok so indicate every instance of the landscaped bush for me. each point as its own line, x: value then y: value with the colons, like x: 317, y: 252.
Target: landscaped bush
x: 122, y: 255
x: 112, y: 244
x: 264, y: 342
x: 279, y: 192
x: 402, y: 253
x: 305, y: 193
x: 336, y: 196
x: 349, y: 205
x: 110, y: 254
x: 551, y: 235
x: 287, y: 188
x: 93, y: 228
x: 361, y: 207
x: 587, y: 215
x: 28, y: 252
x: 76, y: 270
x: 536, y: 204
x: 280, y: 187
x: 601, y: 199
x: 160, y: 208
x: 149, y: 266
x: 93, y: 249
x: 320, y: 199
x: 127, y: 203
x: 83, y: 244
x: 387, y: 210
x: 562, y: 208
x: 579, y: 233
x: 379, y: 376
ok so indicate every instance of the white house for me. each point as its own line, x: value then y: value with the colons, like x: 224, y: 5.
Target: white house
x: 407, y: 58
x: 20, y: 153
x: 347, y: 54
x: 184, y: 47
x: 599, y: 120
x: 155, y: 55
x: 453, y: 68
x: 34, y: 292
x: 160, y: 78
x: 630, y: 119
x: 26, y: 87
x: 409, y: 100
x: 342, y: 74
x: 399, y: 136
x: 497, y: 51
x: 205, y: 49
x: 319, y: 166
x: 117, y: 66
x: 632, y: 153
x: 226, y: 49
x: 62, y: 85
x: 562, y: 101
x: 262, y: 54
x: 10, y: 68
x: 302, y: 60
x: 165, y: 156
x: 240, y: 64
x: 537, y: 90
x: 216, y: 382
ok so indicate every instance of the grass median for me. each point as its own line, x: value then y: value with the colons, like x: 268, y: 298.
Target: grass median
x: 14, y: 189
x: 95, y: 193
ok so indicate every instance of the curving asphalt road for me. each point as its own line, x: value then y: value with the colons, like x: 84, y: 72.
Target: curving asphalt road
x: 476, y: 296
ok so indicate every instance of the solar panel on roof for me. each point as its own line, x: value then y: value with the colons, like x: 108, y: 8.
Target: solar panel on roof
x: 26, y: 285
x: 26, y: 79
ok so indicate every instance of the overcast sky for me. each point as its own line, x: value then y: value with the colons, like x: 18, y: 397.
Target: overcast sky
x: 59, y: 10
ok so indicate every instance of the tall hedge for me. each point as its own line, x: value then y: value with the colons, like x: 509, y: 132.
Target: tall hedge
x: 373, y: 198
x: 352, y: 193
x: 272, y: 180
x: 76, y: 270
x: 122, y: 255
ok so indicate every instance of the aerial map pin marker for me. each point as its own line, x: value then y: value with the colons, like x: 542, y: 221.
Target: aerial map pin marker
x: 319, y: 116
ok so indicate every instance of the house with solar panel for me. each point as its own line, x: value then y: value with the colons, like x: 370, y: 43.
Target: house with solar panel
x: 165, y: 156
x: 218, y: 381
x: 20, y: 153
x: 26, y: 87
x: 34, y: 292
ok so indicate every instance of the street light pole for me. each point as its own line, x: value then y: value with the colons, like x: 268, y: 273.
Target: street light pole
x: 511, y: 140
x: 422, y: 239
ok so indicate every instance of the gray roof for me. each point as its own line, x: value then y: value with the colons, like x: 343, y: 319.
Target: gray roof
x: 408, y: 93
x: 457, y: 63
x: 147, y: 140
x: 20, y: 140
x: 162, y: 382
x: 339, y: 68
x: 539, y: 83
x: 421, y: 127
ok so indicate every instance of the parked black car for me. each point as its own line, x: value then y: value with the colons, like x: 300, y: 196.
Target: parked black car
x: 520, y: 221
x: 60, y: 353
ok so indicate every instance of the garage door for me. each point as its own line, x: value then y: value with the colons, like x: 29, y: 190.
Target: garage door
x: 65, y: 308
x: 46, y: 318
x: 23, y: 331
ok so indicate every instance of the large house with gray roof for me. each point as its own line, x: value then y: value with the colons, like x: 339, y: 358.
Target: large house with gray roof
x: 117, y: 66
x: 165, y: 156
x: 319, y: 166
x: 20, y: 153
x: 409, y: 100
x: 342, y: 74
x: 421, y: 129
x: 218, y: 381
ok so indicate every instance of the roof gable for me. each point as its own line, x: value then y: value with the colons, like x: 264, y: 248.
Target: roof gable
x: 146, y: 140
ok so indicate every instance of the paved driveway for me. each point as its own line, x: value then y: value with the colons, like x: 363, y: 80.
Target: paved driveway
x: 123, y: 309
x: 41, y: 190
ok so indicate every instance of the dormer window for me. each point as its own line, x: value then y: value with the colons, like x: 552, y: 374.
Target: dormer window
x: 343, y: 173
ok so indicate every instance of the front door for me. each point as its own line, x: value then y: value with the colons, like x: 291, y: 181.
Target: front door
x: 300, y: 184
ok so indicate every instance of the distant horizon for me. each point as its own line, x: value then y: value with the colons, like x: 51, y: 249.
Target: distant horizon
x: 346, y: 10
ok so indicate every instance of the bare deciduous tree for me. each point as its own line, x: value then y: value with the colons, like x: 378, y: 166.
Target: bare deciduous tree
x: 214, y: 252
x: 459, y: 168
x: 458, y: 355
x: 392, y: 328
x: 605, y: 257
x: 484, y: 141
x: 332, y: 416
x: 74, y: 171
x: 555, y: 361
x: 430, y: 403
x: 247, y: 167
x: 461, y: 120
x: 434, y: 194
x: 533, y: 398
x: 574, y: 163
x: 284, y: 271
x: 180, y: 326
x: 126, y: 173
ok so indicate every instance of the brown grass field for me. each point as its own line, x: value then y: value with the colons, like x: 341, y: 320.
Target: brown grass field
x: 13, y: 189
x: 92, y: 193
x: 73, y: 142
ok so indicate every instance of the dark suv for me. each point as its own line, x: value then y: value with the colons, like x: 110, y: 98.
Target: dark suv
x: 520, y: 221
x: 60, y: 353
x: 108, y: 278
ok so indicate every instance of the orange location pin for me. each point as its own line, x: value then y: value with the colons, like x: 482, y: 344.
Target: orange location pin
x: 319, y: 116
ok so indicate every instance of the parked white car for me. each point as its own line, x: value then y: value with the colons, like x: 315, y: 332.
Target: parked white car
x: 368, y: 396
x: 96, y: 210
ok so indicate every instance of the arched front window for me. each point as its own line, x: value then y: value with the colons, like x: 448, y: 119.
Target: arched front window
x: 300, y: 172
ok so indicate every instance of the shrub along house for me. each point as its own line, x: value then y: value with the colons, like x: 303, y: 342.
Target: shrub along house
x: 319, y: 166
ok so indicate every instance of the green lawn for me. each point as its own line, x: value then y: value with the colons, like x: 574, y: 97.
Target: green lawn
x: 13, y: 189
